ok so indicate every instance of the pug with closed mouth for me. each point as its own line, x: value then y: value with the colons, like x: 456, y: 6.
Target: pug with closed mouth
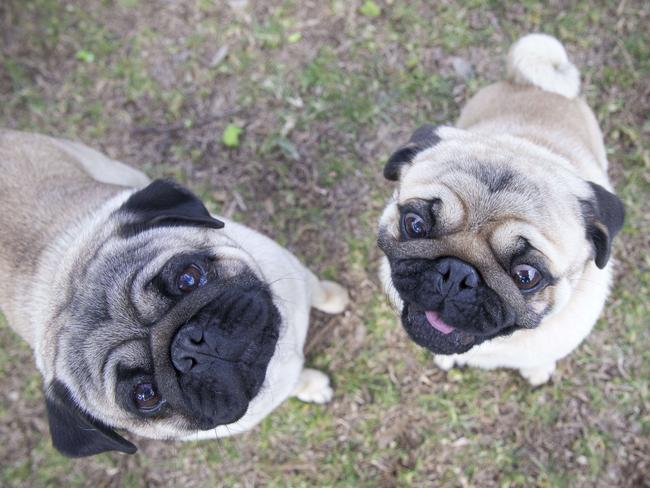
x: 498, y: 237
x: 145, y: 312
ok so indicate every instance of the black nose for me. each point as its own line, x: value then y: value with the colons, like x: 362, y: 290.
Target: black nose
x: 224, y: 336
x: 454, y: 276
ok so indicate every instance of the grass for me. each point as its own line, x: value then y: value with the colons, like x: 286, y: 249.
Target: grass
x: 324, y: 92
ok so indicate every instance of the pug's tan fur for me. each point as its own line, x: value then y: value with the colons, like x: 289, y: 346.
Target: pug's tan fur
x: 59, y: 201
x: 542, y: 146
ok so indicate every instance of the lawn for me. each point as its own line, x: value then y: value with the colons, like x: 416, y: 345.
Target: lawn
x: 323, y: 92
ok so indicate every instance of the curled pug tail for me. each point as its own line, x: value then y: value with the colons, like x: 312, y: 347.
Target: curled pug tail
x: 540, y: 60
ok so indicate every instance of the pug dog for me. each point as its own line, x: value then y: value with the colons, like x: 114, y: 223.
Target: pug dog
x: 145, y: 312
x: 498, y: 237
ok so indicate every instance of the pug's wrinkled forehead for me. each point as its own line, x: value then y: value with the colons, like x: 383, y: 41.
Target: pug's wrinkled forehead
x: 499, y: 190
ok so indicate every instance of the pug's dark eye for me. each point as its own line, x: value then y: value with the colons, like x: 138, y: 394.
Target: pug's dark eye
x: 414, y: 226
x: 146, y: 397
x: 526, y: 277
x: 191, y: 278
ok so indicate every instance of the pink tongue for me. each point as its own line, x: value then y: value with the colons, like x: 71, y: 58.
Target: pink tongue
x: 437, y: 323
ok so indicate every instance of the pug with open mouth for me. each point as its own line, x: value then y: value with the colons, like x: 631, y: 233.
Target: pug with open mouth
x: 498, y: 237
x: 145, y: 312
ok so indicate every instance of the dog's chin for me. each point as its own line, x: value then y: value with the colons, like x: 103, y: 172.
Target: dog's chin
x: 429, y: 330
x: 230, y: 386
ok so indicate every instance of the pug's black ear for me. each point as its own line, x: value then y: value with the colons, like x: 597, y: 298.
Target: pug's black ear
x: 604, y: 215
x: 166, y: 203
x: 423, y: 138
x: 74, y: 432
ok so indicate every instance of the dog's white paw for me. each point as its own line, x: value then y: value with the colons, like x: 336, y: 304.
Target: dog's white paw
x: 334, y: 297
x: 538, y: 376
x: 313, y: 387
x: 444, y: 362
